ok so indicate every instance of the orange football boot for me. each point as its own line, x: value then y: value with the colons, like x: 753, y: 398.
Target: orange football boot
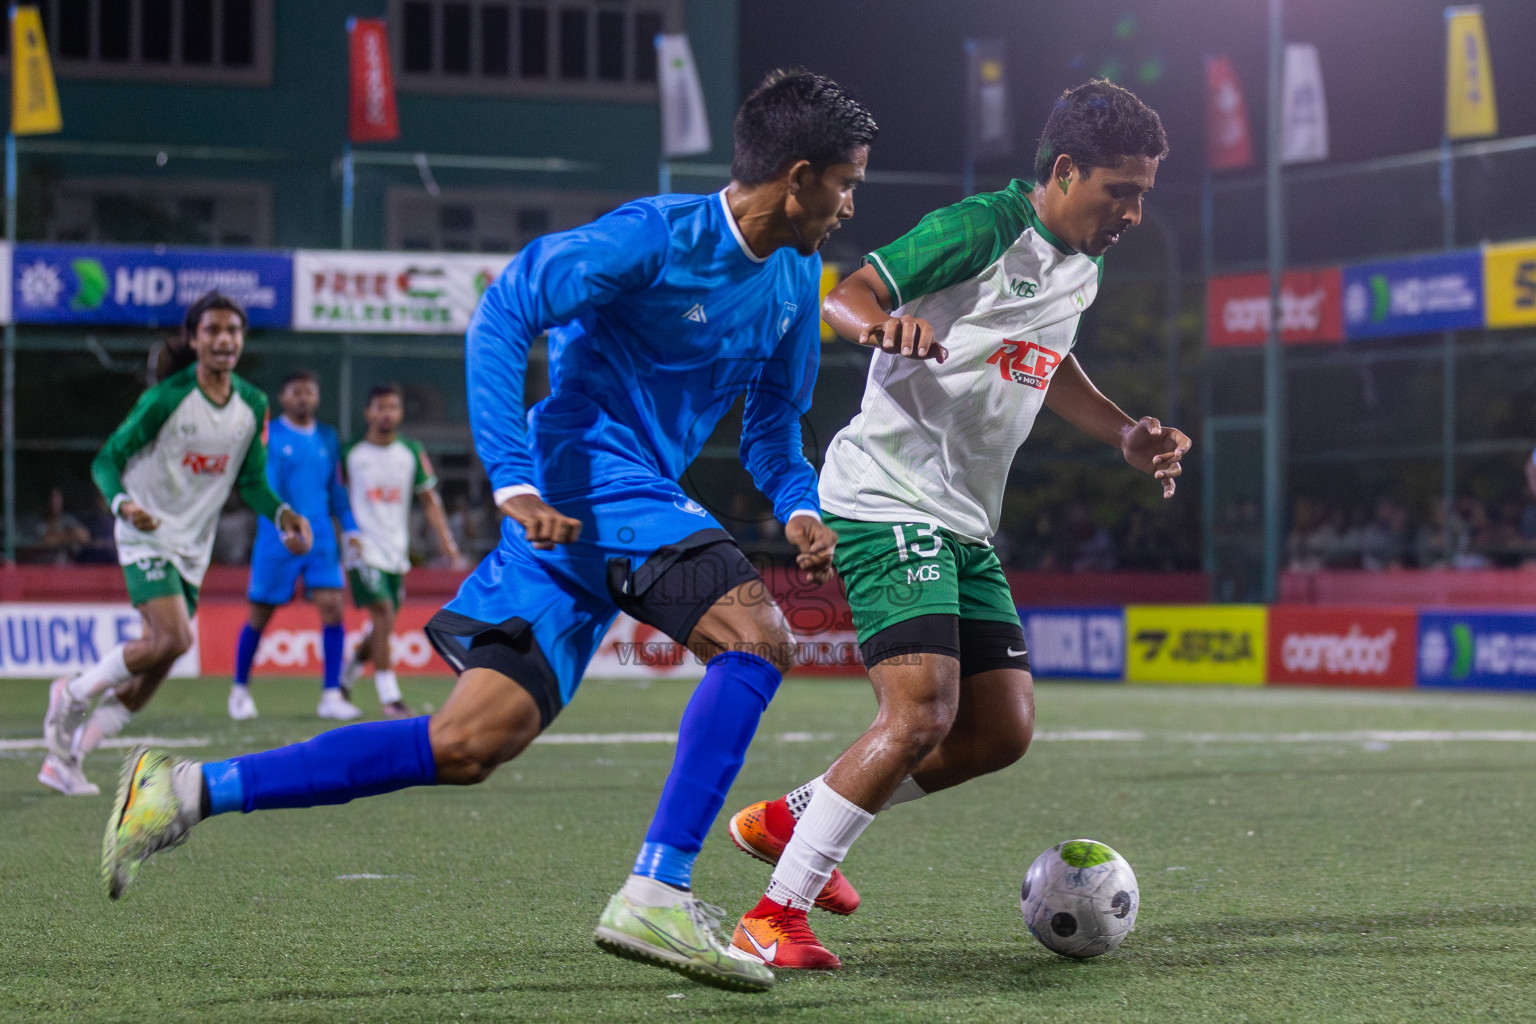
x: 764, y: 829
x: 780, y: 936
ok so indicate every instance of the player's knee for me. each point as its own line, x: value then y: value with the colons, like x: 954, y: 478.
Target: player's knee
x: 773, y: 643
x: 919, y: 725
x: 169, y: 643
x: 467, y: 754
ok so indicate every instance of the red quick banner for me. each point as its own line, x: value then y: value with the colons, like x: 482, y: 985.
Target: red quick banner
x: 1311, y: 308
x: 1342, y: 646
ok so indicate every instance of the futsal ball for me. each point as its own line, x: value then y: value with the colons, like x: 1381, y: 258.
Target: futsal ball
x: 1079, y: 899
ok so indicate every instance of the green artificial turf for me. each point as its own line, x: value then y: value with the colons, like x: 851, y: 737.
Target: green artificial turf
x: 1294, y: 866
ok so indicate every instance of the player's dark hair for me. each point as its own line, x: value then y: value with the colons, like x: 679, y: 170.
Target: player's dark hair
x: 380, y: 390
x: 205, y: 302
x: 796, y: 115
x: 1098, y: 124
x: 297, y: 376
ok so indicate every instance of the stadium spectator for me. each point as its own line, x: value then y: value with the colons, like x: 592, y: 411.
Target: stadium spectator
x: 55, y: 536
x: 235, y: 534
x: 102, y: 547
x: 1441, y: 539
x: 1384, y: 541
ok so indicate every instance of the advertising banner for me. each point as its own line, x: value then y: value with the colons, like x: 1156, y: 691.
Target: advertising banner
x: 1311, y: 308
x: 371, y: 113
x: 1509, y: 278
x: 1414, y: 296
x: 77, y: 284
x: 986, y: 98
x: 1075, y: 643
x: 390, y: 293
x: 1342, y: 646
x: 1495, y: 650
x: 1227, y: 143
x: 43, y: 641
x: 1195, y: 644
x: 1470, y: 111
x: 291, y: 643
x: 684, y: 121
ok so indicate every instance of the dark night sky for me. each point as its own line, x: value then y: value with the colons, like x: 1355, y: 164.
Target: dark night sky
x: 1383, y: 65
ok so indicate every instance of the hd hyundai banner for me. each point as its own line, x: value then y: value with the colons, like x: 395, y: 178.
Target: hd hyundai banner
x: 73, y: 284
x: 1414, y: 296
x: 1342, y: 646
x: 1311, y: 308
x: 1489, y: 650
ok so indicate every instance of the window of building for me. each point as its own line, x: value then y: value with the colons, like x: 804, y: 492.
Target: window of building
x: 594, y: 49
x: 226, y: 42
x: 487, y: 220
x: 170, y: 212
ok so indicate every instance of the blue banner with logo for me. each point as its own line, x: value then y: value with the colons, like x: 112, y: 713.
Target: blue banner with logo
x: 73, y: 284
x: 1075, y: 643
x: 1495, y: 650
x: 1415, y: 296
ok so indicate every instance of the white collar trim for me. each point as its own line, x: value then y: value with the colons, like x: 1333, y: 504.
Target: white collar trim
x: 741, y: 240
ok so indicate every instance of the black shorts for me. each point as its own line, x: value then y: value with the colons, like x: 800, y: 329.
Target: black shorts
x: 979, y: 645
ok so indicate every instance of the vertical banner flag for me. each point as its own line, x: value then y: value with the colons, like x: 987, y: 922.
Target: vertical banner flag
x: 34, y: 98
x: 1469, y: 107
x: 684, y: 123
x: 1304, y: 109
x: 1227, y: 145
x: 371, y: 114
x: 987, y: 99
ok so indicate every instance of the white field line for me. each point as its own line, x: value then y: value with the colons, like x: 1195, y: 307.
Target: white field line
x: 120, y: 742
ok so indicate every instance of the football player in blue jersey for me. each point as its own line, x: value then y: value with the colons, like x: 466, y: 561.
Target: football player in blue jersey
x: 659, y: 314
x: 304, y: 468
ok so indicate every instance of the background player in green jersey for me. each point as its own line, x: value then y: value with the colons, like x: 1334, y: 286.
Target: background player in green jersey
x: 987, y: 296
x: 166, y: 472
x: 382, y: 471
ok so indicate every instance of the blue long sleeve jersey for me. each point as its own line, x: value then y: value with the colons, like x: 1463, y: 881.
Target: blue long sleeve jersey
x: 304, y: 468
x: 659, y: 314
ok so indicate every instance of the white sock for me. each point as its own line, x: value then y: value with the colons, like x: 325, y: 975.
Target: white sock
x: 822, y: 837
x: 908, y: 791
x: 109, y: 718
x: 187, y: 784
x: 650, y: 892
x: 105, y: 674
x: 798, y: 799
x: 388, y: 686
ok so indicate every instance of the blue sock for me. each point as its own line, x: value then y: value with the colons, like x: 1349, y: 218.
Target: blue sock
x: 712, y: 742
x: 245, y: 654
x: 332, y: 639
x: 332, y: 768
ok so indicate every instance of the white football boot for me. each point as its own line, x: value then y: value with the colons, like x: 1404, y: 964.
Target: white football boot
x: 241, y: 707
x: 334, y: 706
x: 66, y: 776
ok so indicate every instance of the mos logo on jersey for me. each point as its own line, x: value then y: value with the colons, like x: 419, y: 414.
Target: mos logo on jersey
x: 205, y: 465
x: 1024, y: 362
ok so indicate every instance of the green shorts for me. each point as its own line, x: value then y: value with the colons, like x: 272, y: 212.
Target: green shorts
x: 149, y: 578
x: 372, y: 586
x: 898, y: 571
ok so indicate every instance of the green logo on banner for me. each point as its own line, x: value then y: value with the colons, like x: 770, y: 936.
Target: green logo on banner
x: 1381, y: 297
x: 1461, y: 637
x: 93, y: 284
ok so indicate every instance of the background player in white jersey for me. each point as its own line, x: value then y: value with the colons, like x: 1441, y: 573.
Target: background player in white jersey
x: 382, y: 471
x: 167, y: 471
x: 987, y: 296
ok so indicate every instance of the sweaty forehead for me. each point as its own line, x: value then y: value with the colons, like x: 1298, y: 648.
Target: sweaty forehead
x: 1135, y: 170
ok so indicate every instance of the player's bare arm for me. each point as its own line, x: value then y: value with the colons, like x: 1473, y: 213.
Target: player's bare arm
x: 432, y: 508
x: 816, y: 541
x: 859, y: 309
x: 1146, y: 444
x: 544, y: 526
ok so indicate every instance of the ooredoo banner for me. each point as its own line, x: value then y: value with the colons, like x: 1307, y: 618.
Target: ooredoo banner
x: 1311, y: 308
x: 1342, y: 646
x: 390, y: 293
x: 47, y: 640
x: 291, y: 643
x: 1195, y: 644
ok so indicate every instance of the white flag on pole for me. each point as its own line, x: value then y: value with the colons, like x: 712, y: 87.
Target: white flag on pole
x: 1304, y: 110
x: 684, y: 124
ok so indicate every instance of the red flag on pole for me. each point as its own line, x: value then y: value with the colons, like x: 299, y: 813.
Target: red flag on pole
x: 1227, y: 145
x: 372, y: 116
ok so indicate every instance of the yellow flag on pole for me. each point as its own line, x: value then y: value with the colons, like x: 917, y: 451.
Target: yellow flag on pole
x: 34, y: 98
x: 1469, y: 107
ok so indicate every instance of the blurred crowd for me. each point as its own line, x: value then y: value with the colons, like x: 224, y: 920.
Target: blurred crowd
x: 1471, y: 534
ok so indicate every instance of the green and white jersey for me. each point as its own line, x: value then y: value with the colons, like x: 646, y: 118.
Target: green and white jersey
x: 177, y: 456
x: 380, y: 481
x: 933, y: 442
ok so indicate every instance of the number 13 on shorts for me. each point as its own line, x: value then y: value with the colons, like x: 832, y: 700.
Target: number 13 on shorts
x: 912, y: 544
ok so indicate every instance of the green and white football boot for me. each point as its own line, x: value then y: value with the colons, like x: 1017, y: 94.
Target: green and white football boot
x: 654, y: 923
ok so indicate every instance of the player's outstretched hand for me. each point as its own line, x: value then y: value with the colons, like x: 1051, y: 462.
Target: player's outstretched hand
x: 907, y: 335
x: 543, y: 525
x: 297, y: 536
x: 1156, y: 449
x: 136, y: 514
x: 815, y: 539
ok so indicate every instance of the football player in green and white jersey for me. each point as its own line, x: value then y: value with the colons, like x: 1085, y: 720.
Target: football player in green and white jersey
x: 382, y: 471
x: 987, y: 296
x: 166, y: 472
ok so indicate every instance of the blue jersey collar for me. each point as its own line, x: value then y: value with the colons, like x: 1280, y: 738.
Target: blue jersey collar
x: 730, y: 219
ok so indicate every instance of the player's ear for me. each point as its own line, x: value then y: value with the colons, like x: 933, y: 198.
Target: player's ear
x: 800, y: 175
x: 1063, y: 171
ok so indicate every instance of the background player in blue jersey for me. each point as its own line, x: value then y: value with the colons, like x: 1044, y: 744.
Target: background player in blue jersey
x: 659, y: 315
x: 304, y: 468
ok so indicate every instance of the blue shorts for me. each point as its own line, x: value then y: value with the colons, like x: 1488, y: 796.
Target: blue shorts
x: 274, y: 571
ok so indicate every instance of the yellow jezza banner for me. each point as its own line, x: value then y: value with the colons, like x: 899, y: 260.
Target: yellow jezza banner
x: 1509, y: 284
x: 1469, y: 108
x: 1195, y: 643
x: 34, y: 98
